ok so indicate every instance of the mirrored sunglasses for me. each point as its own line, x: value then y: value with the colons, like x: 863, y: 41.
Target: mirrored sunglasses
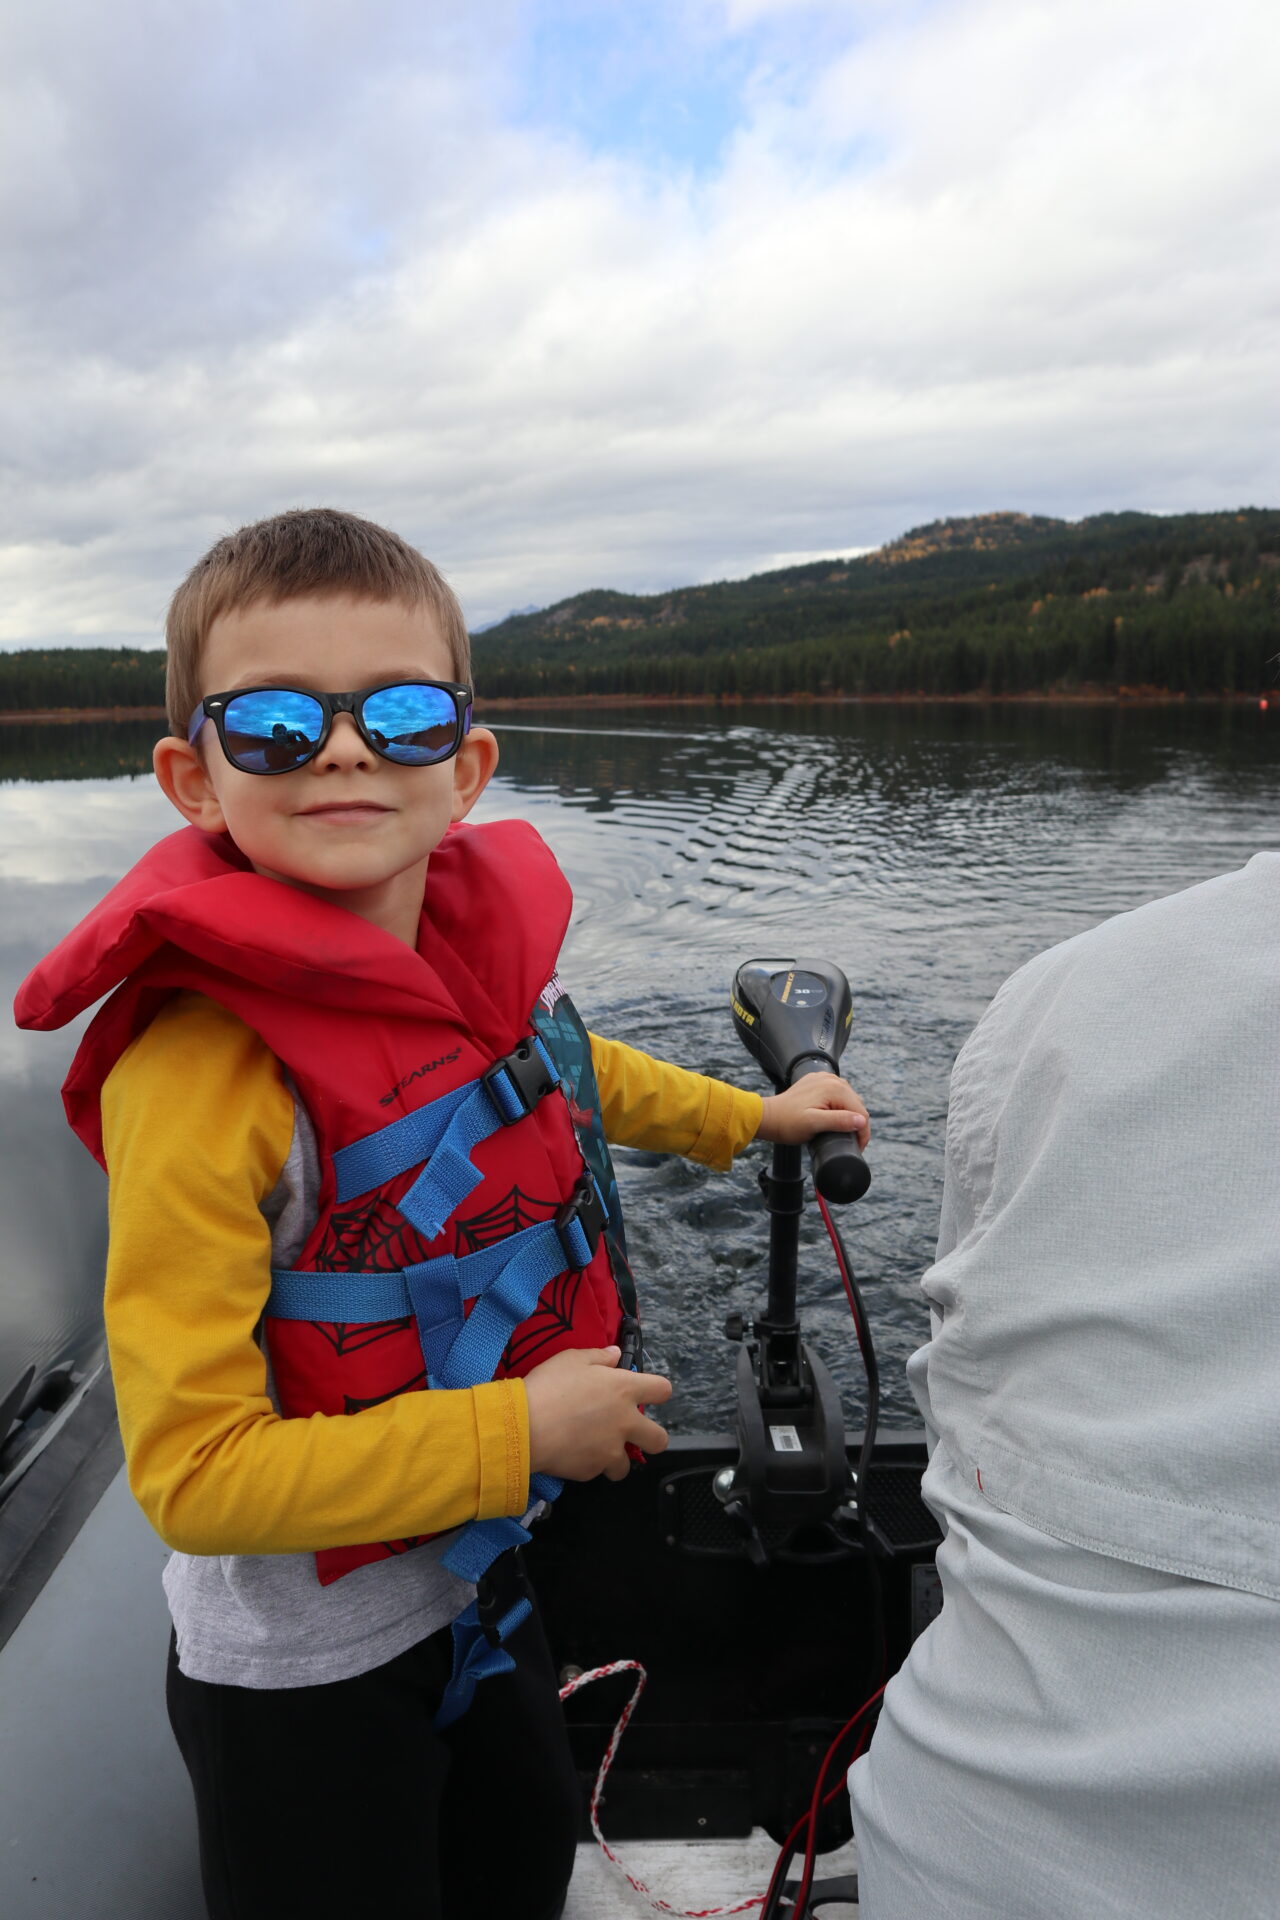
x: 415, y: 723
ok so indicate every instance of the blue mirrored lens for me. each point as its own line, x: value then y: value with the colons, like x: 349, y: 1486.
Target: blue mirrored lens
x: 412, y: 724
x: 272, y: 730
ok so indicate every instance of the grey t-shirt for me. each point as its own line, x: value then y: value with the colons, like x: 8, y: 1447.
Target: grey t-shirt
x: 264, y: 1620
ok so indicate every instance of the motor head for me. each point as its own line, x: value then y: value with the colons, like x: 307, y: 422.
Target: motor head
x: 792, y: 1012
x: 794, y: 1017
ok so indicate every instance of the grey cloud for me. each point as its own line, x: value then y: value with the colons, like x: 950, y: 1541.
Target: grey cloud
x: 304, y: 260
x: 184, y: 180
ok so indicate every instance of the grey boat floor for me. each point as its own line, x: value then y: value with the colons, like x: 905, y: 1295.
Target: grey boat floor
x: 697, y: 1875
x: 96, y: 1819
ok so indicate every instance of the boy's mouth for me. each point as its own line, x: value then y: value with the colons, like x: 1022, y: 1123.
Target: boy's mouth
x: 345, y: 809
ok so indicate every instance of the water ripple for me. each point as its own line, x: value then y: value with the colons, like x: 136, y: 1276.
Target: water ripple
x: 927, y: 851
x: 927, y: 862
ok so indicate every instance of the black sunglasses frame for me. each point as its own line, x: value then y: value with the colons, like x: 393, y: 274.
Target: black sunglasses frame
x: 214, y: 707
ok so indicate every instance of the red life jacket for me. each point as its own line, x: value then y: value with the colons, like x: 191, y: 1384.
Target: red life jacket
x: 372, y: 1033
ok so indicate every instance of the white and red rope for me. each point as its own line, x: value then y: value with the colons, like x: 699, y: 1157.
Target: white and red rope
x: 659, y: 1905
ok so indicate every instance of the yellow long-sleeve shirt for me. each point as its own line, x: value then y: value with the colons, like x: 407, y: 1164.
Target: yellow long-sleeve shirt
x: 197, y: 1127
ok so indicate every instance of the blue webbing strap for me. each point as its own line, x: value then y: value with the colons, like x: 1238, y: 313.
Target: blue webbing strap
x: 476, y: 1659
x: 298, y: 1294
x: 445, y: 1134
x: 393, y: 1149
x: 503, y: 1095
x: 449, y: 1175
x: 474, y: 1354
x: 478, y: 1545
x: 505, y: 1280
x: 510, y: 1298
x: 342, y: 1299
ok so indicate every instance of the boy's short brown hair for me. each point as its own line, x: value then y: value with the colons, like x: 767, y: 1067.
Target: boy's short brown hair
x: 309, y: 550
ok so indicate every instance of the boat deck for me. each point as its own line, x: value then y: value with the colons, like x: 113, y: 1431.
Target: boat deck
x: 95, y: 1811
x: 698, y: 1875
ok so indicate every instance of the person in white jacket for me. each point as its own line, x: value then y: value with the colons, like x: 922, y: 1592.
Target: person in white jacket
x: 1091, y: 1727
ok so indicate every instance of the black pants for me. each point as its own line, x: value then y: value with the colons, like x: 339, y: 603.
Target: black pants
x: 341, y: 1800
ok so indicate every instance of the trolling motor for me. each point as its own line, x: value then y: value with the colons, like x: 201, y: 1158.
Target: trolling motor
x: 753, y: 1678
x: 792, y: 1471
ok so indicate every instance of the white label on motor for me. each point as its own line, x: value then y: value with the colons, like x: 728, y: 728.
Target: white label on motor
x: 785, y: 1439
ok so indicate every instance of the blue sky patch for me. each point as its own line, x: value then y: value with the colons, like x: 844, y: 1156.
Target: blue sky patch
x: 665, y: 84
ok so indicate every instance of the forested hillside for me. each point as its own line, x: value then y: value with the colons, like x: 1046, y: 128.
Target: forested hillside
x: 1004, y: 603
x: 37, y: 679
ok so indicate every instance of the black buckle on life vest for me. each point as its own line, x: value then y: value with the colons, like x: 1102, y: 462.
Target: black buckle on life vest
x: 517, y: 1082
x: 498, y: 1589
x: 580, y: 1222
x: 631, y: 1341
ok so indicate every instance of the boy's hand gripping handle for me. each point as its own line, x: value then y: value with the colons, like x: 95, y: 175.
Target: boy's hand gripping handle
x: 840, y: 1173
x: 793, y: 1016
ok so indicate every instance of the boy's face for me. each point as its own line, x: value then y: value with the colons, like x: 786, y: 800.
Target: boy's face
x: 349, y: 826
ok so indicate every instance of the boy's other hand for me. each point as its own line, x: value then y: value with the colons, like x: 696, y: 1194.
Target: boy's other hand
x: 819, y: 1103
x: 583, y: 1412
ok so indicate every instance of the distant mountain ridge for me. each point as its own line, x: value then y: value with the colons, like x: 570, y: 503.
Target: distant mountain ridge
x: 993, y: 603
x: 514, y: 614
x: 997, y: 602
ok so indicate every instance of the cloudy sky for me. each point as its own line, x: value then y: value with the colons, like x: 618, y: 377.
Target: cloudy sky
x: 578, y: 293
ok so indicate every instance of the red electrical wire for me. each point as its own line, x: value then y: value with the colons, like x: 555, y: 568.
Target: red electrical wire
x: 819, y: 1801
x: 845, y: 1276
x: 872, y: 1369
x: 816, y: 1804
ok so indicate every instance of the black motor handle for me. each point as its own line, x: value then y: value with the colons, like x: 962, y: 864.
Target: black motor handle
x: 793, y: 1016
x: 840, y: 1173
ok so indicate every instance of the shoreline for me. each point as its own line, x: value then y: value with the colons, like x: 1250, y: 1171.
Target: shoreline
x: 561, y: 702
x: 67, y: 716
x: 1082, y: 697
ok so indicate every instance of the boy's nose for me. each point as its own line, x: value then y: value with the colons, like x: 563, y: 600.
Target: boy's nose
x: 345, y: 746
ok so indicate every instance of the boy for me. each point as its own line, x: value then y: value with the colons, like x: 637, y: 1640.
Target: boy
x: 356, y: 1143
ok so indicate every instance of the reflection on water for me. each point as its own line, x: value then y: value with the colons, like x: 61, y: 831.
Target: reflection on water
x: 74, y: 750
x: 928, y: 851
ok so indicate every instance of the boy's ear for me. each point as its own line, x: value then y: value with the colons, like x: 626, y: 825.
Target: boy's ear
x: 185, y: 781
x: 473, y: 769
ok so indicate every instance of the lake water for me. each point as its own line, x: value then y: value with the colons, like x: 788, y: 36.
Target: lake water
x: 926, y: 850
